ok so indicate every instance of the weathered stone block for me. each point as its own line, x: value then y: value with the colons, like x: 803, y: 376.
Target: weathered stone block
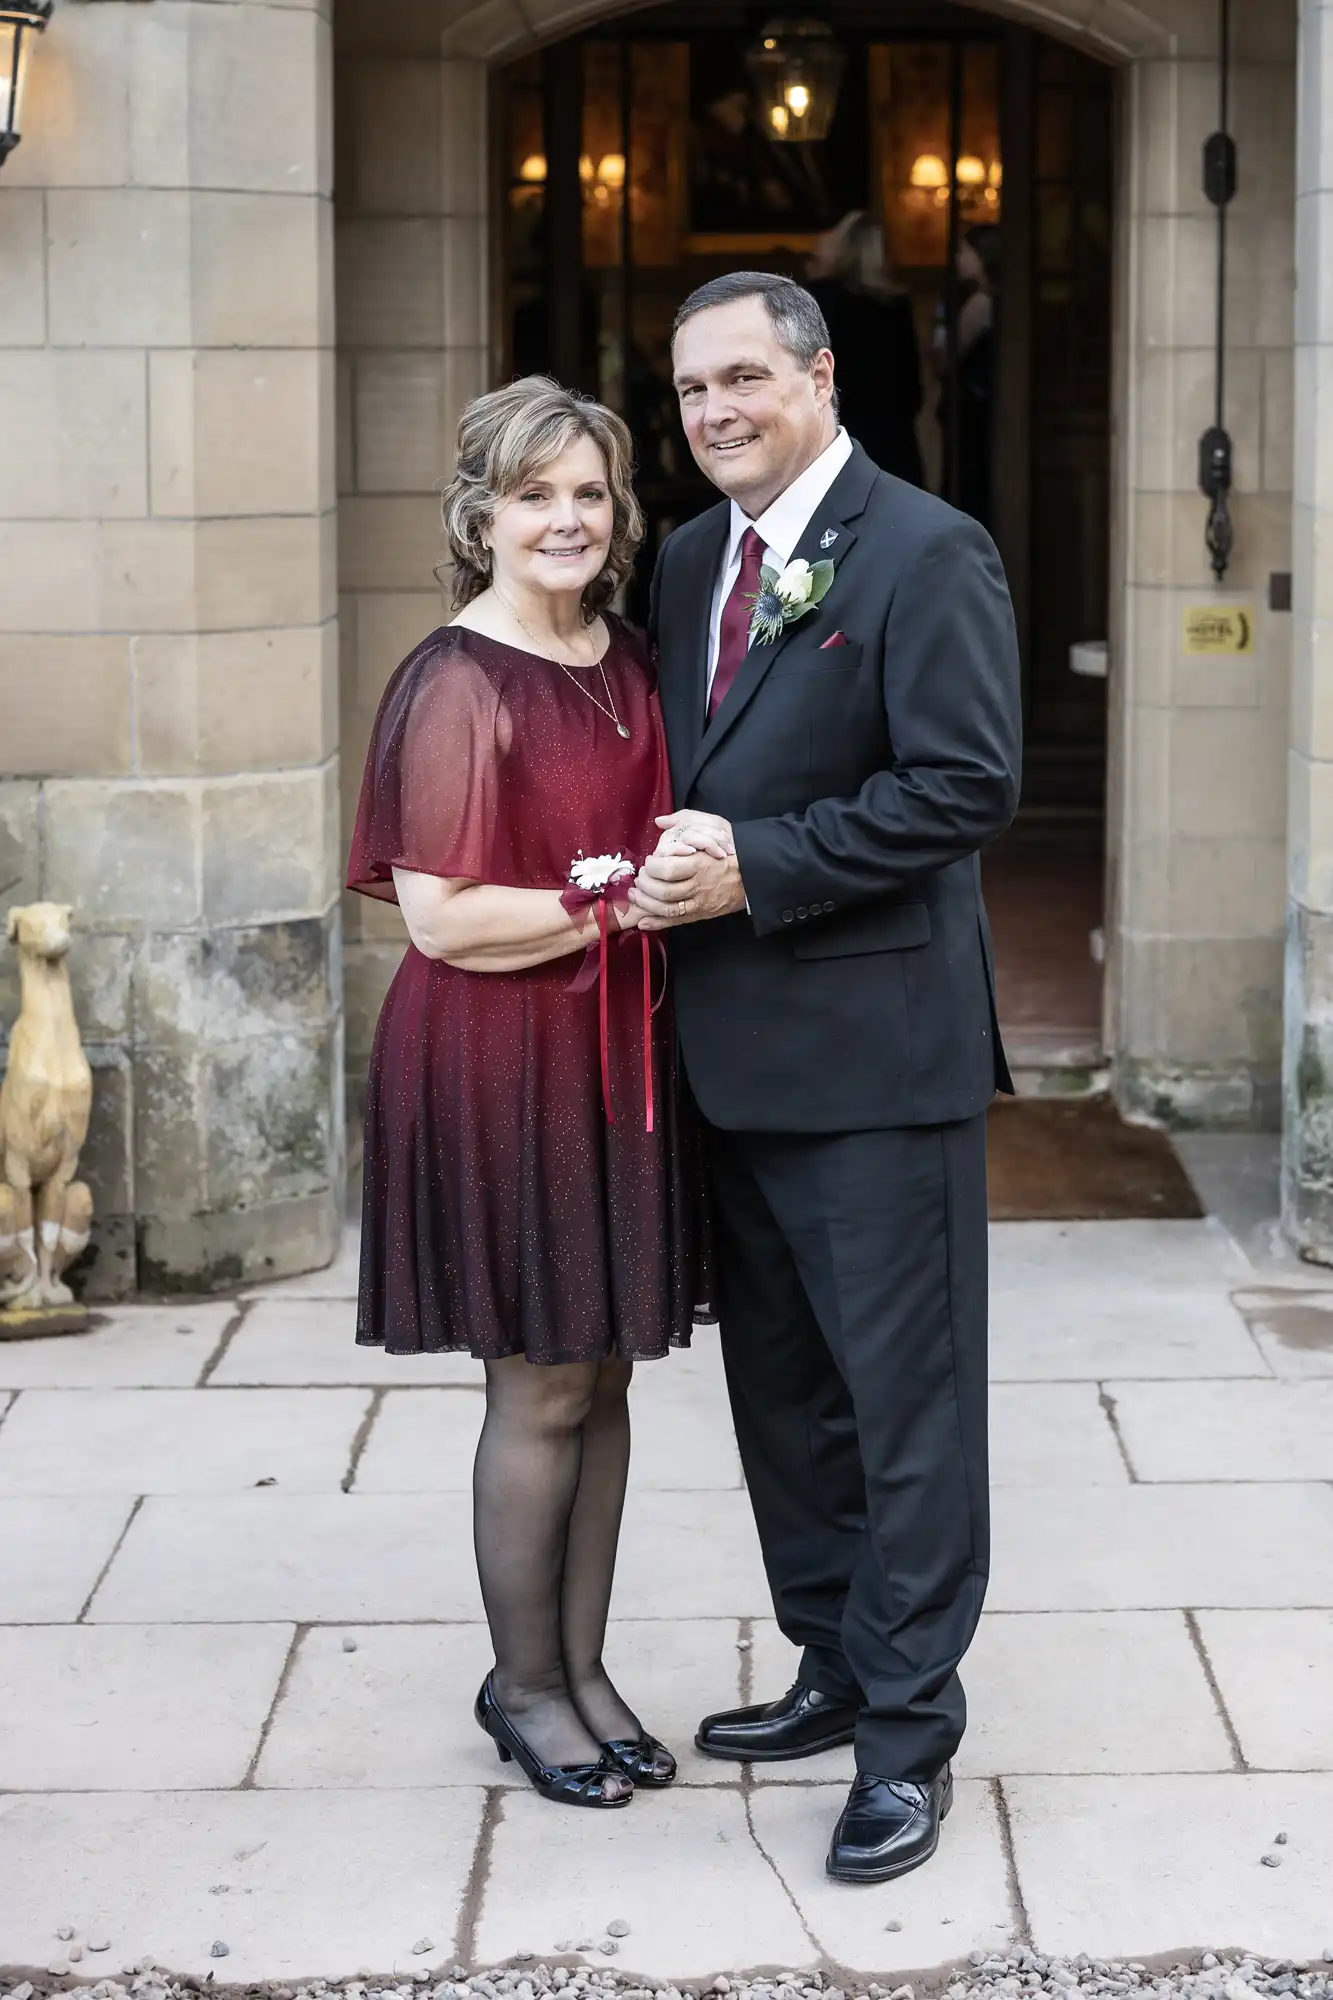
x: 271, y: 846
x: 50, y: 576
x: 122, y: 853
x: 262, y: 270
x: 242, y: 432
x: 218, y: 1251
x: 465, y: 248
x: 194, y: 990
x: 268, y: 1118
x: 148, y: 576
x: 390, y: 544
x: 390, y: 284
x: 106, y: 1269
x: 464, y: 91
x: 75, y: 434
x: 168, y: 1138
x: 1307, y: 1085
x: 370, y: 971
x: 256, y: 79
x: 119, y: 267
x: 99, y: 970
x: 234, y: 701
x: 85, y: 683
x: 394, y: 108
x: 266, y: 572
x: 23, y: 296
x: 399, y: 422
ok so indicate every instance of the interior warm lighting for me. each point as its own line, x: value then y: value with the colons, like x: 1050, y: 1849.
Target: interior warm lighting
x: 796, y: 68
x: 929, y: 171
x: 611, y: 170
x: 586, y: 168
x: 971, y: 171
x: 533, y: 168
x: 996, y: 175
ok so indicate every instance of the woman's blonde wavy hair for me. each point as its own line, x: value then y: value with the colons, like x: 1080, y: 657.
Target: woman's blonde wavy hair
x: 507, y: 436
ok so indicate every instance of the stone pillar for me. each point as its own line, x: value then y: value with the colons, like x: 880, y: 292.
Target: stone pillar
x: 1307, y: 1148
x: 1197, y: 791
x: 412, y: 320
x: 168, y: 659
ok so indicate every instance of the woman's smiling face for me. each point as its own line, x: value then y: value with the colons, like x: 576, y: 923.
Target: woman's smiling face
x: 554, y: 530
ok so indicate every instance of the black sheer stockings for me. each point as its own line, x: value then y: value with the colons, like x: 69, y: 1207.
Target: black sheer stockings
x: 549, y: 1490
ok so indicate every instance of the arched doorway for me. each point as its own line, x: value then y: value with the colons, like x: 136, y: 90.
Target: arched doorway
x: 636, y: 162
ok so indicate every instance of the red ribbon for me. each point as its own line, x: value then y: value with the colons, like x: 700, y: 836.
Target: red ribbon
x: 592, y: 973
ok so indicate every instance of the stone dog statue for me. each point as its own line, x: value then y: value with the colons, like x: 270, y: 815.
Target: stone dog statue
x: 45, y: 1214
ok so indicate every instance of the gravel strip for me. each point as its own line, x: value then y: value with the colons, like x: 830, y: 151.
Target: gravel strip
x: 1206, y: 1976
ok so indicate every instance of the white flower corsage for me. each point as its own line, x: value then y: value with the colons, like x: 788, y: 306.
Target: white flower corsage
x: 596, y: 872
x: 786, y: 595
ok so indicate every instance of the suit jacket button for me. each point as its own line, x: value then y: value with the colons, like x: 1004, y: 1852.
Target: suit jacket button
x: 829, y: 908
x: 802, y: 914
x: 788, y: 916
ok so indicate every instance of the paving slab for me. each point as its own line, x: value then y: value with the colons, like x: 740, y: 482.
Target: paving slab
x: 292, y: 1341
x: 1116, y: 1691
x: 1293, y: 1326
x: 1227, y: 1430
x: 178, y: 1440
x: 397, y: 1712
x: 337, y: 1280
x: 1052, y: 1434
x: 295, y: 1884
x: 309, y: 1557
x: 683, y: 1433
x: 1125, y: 1867
x: 690, y: 1555
x: 129, y: 1347
x: 680, y: 1867
x: 1275, y: 1672
x: 1056, y: 1330
x: 1120, y: 1691
x: 959, y: 1903
x: 52, y: 1553
x: 1161, y: 1255
x: 1103, y: 1548
x: 424, y: 1440
x: 103, y: 1708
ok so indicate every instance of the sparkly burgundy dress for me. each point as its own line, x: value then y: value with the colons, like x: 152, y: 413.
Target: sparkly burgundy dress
x: 503, y: 1213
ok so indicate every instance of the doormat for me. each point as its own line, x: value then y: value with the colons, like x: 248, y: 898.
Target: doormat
x: 1057, y: 1159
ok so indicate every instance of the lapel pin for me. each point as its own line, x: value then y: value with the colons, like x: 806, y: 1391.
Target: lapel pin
x: 828, y: 538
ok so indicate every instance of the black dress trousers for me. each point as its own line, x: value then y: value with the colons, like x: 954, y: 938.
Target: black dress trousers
x: 852, y: 1302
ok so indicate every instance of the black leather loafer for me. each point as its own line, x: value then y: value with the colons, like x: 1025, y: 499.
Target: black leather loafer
x: 888, y: 1827
x: 802, y: 1724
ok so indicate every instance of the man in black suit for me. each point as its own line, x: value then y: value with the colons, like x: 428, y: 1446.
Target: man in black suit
x: 835, y: 1001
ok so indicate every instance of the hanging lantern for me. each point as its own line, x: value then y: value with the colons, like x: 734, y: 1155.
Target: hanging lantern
x: 21, y: 21
x: 796, y: 68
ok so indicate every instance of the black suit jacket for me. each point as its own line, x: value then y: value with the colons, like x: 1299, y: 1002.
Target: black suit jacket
x: 862, y: 781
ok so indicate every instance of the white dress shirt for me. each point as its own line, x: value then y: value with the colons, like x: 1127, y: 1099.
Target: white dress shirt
x: 781, y: 527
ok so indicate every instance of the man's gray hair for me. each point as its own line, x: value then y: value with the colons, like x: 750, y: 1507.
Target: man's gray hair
x: 797, y: 321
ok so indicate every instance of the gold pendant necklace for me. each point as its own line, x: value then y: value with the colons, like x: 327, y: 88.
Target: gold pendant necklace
x: 611, y: 714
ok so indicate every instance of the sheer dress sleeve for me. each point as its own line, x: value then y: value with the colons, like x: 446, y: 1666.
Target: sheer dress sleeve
x: 430, y: 795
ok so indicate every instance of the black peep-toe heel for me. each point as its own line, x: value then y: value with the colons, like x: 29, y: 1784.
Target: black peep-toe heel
x: 567, y: 1784
x: 643, y: 1759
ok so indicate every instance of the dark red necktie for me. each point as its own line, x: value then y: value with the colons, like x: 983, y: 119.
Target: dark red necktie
x: 734, y: 632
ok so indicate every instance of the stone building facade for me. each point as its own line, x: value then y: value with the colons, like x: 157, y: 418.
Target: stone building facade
x: 245, y: 286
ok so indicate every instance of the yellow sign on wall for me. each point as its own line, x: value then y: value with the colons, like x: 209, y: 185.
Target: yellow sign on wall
x: 1219, y: 628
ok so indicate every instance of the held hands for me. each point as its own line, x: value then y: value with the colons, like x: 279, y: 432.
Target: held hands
x: 693, y: 875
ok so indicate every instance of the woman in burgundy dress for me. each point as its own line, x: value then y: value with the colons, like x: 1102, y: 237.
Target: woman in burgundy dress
x: 527, y: 1198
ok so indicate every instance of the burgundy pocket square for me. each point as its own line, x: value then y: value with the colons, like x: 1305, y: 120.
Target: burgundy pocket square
x: 838, y: 639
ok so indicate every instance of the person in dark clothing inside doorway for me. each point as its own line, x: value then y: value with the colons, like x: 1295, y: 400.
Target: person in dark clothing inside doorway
x: 873, y: 334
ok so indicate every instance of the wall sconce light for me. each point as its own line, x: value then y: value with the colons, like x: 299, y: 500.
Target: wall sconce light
x: 796, y: 69
x: 21, y: 21
x: 533, y: 170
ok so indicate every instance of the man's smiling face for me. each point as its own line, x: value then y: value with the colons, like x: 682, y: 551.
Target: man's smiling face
x: 755, y: 416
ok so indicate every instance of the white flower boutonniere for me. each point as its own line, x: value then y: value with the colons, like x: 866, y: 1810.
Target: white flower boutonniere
x: 786, y: 595
x: 596, y: 872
